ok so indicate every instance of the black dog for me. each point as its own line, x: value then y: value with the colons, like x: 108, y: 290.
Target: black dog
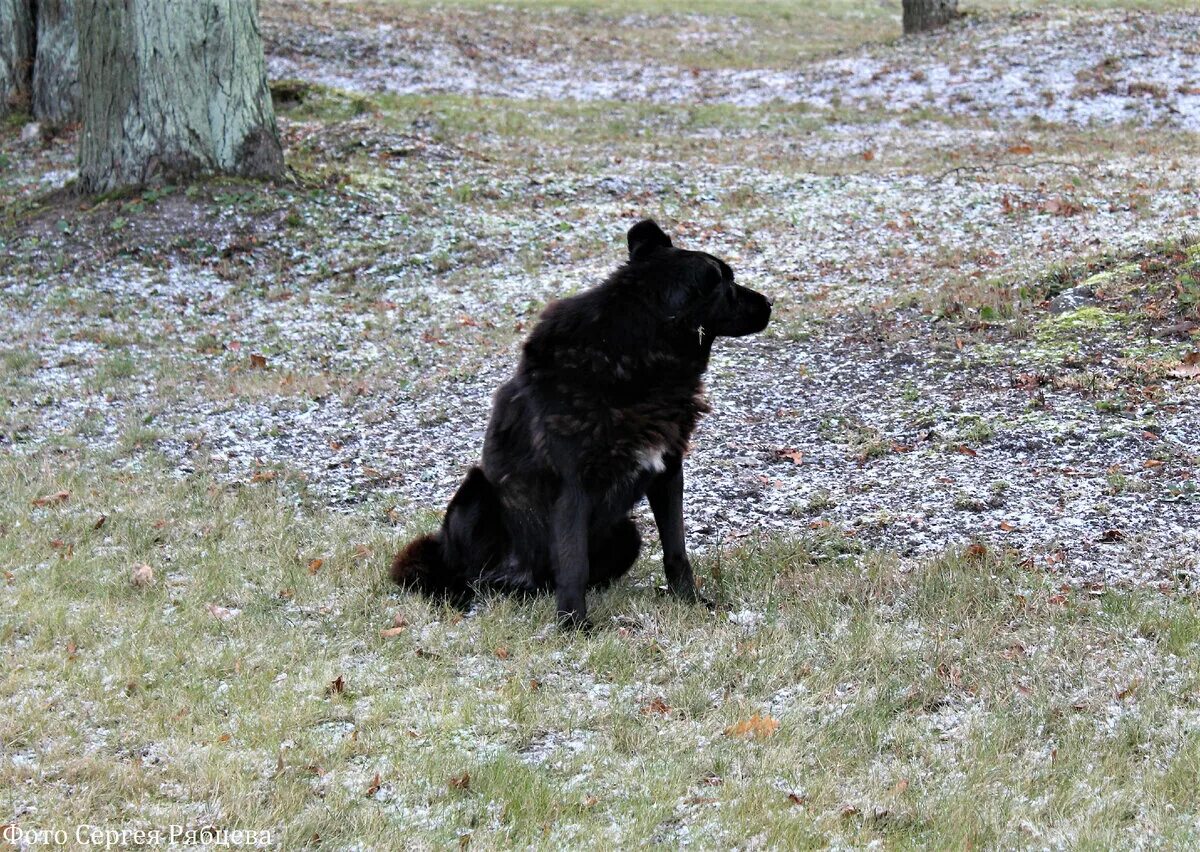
x: 597, y: 416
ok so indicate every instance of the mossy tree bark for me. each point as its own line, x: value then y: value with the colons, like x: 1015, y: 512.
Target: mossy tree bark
x: 173, y: 89
x: 16, y: 55
x: 922, y: 15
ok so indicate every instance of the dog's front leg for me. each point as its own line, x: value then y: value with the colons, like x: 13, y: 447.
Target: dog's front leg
x: 569, y: 555
x: 666, y: 502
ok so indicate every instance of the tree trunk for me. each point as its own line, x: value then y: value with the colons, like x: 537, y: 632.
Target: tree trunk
x: 16, y: 55
x: 922, y: 15
x: 56, y: 66
x: 172, y: 89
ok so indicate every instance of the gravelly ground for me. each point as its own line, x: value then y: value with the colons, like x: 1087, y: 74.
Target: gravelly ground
x: 391, y: 314
x: 1061, y: 66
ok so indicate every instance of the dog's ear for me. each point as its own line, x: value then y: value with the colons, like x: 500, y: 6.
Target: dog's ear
x: 644, y: 236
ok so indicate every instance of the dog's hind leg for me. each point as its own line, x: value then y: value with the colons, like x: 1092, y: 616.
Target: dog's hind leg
x: 612, y: 552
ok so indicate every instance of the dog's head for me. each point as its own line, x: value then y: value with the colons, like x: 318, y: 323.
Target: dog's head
x: 695, y: 289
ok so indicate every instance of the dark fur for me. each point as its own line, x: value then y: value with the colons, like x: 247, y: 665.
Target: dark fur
x: 597, y: 416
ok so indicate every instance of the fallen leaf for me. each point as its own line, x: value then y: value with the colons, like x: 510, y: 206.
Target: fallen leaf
x: 657, y: 706
x: 258, y: 362
x: 72, y: 649
x: 1058, y: 600
x: 263, y: 476
x: 977, y: 551
x: 1060, y: 207
x: 9, y: 576
x: 315, y: 565
x: 1007, y: 527
x: 142, y: 575
x: 965, y: 450
x: 337, y: 686
x: 53, y: 499
x: 1131, y: 689
x: 1189, y: 367
x: 868, y: 155
x: 795, y: 456
x: 901, y: 786
x: 590, y: 802
x: 501, y: 653
x: 849, y: 810
x: 363, y: 552
x: 224, y: 738
x: 399, y: 625
x: 797, y: 798
x: 756, y: 726
x: 99, y: 522
x: 374, y: 786
x: 461, y: 782
x: 222, y: 613
x: 1152, y: 463
x: 1023, y: 149
x: 1112, y: 535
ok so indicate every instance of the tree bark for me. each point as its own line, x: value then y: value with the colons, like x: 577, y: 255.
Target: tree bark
x: 922, y: 15
x: 16, y: 55
x: 171, y: 89
x: 56, y: 65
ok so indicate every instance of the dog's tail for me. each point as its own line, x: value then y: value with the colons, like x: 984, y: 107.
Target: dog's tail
x: 419, y: 564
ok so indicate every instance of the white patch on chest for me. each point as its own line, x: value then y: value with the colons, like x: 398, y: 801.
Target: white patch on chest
x: 651, y: 459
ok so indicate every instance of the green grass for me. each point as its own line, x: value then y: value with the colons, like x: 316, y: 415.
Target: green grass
x: 960, y: 700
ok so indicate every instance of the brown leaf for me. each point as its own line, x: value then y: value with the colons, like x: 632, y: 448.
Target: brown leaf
x: 1152, y: 463
x: 315, y: 565
x: 337, y: 686
x: 901, y: 786
x: 53, y: 499
x: 1060, y: 207
x: 72, y: 649
x: 1131, y: 689
x: 222, y: 613
x: 224, y: 738
x: 976, y: 551
x: 756, y: 726
x: 1023, y: 149
x: 141, y: 575
x: 1057, y: 600
x: 9, y: 576
x: 657, y: 706
x: 1112, y: 535
x: 797, y: 798
x: 99, y: 522
x: 258, y: 362
x: 263, y: 476
x: 1007, y: 527
x: 399, y: 625
x: 461, y: 782
x: 363, y: 552
x: 374, y: 786
x: 965, y: 450
x: 1189, y: 367
x: 795, y: 456
x: 868, y: 155
x: 501, y: 653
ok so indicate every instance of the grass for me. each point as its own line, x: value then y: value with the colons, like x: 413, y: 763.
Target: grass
x: 956, y: 700
x: 953, y: 701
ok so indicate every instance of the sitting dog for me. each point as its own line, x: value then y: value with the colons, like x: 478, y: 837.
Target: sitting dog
x: 598, y: 415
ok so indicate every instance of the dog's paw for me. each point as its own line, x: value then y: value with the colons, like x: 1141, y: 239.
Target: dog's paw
x: 574, y: 621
